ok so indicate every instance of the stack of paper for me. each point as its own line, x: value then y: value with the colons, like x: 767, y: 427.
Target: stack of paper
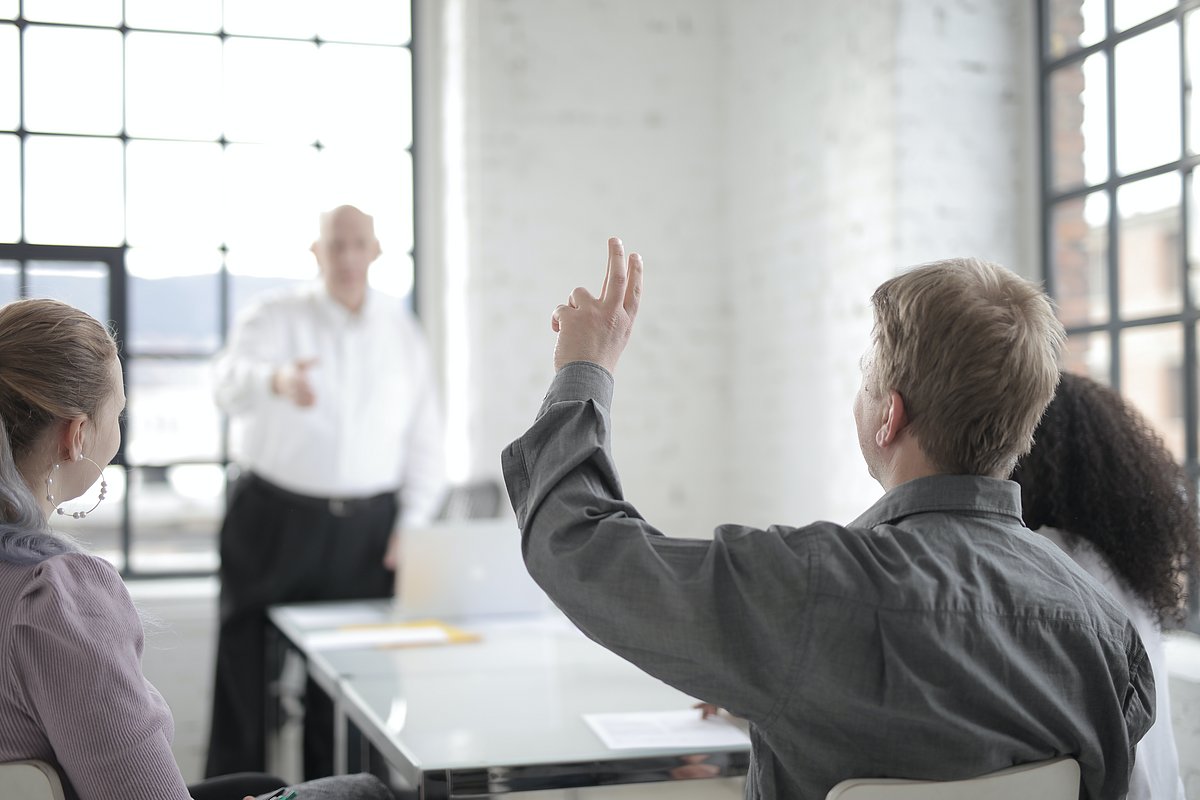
x: 676, y: 730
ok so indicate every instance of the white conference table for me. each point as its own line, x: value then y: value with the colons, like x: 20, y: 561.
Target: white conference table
x: 503, y: 714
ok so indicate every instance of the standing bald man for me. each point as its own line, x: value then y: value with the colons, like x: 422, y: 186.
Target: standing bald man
x: 333, y: 386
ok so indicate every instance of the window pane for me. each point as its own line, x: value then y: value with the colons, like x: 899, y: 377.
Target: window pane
x: 392, y: 274
x: 287, y: 18
x: 203, y: 16
x: 365, y: 93
x: 172, y: 416
x: 10, y: 282
x: 1127, y: 13
x: 83, y: 284
x: 9, y: 8
x: 79, y: 12
x: 1079, y: 252
x: 1194, y: 238
x: 176, y: 512
x: 174, y: 301
x: 100, y: 531
x: 1089, y: 354
x: 269, y: 198
x: 72, y: 80
x: 1152, y: 379
x: 379, y: 181
x: 383, y: 21
x: 174, y: 86
x: 174, y: 191
x: 253, y: 274
x: 10, y: 86
x: 73, y: 191
x: 10, y: 188
x: 1147, y: 99
x: 1149, y: 264
x: 1078, y: 124
x: 1071, y: 24
x: 269, y: 91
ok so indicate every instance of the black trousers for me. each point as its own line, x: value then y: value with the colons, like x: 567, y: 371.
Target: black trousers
x: 277, y: 547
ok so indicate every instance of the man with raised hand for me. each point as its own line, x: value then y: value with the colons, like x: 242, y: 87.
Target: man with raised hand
x: 932, y: 638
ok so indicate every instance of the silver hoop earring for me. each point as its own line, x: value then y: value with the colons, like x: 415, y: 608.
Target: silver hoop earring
x: 76, y: 514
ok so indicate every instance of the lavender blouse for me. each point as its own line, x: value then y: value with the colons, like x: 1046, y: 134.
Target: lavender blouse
x: 72, y: 692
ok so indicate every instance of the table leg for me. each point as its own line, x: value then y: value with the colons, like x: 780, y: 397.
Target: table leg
x: 276, y: 649
x: 434, y: 786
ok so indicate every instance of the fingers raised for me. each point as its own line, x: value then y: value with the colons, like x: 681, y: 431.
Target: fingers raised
x: 616, y: 278
x: 633, y: 293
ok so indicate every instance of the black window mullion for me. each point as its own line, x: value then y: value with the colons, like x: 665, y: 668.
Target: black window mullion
x: 1187, y: 176
x: 1112, y: 255
x: 1188, y: 318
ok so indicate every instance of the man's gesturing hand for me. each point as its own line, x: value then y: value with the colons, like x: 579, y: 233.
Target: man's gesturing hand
x: 596, y: 329
x: 291, y: 381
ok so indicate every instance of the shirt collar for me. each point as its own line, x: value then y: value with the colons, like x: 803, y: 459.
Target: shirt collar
x: 336, y: 310
x: 944, y: 493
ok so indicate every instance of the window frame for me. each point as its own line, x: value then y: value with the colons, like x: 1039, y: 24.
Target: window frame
x: 114, y: 257
x: 1188, y: 317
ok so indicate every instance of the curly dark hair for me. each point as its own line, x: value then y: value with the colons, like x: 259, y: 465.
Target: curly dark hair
x: 1100, y: 472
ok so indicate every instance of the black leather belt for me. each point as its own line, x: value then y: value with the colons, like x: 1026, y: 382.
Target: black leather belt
x: 335, y: 506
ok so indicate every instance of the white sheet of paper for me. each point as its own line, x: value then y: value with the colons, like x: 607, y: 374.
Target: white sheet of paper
x: 682, y: 730
x: 351, y: 638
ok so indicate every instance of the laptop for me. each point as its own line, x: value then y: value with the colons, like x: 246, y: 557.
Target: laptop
x: 465, y: 568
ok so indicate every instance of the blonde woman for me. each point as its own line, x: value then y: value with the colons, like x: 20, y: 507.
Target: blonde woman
x: 72, y: 692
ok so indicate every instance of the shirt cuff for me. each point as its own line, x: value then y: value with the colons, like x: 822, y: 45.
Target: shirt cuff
x: 263, y: 381
x: 580, y: 381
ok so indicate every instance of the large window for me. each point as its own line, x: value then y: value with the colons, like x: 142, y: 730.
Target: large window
x: 1121, y: 231
x: 161, y: 163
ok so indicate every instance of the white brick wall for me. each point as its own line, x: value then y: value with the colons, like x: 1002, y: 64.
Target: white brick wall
x: 864, y: 137
x: 774, y: 160
x: 966, y: 132
x: 587, y: 120
x: 812, y: 222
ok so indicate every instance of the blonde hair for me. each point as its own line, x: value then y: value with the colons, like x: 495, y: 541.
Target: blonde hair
x: 973, y: 350
x: 54, y: 365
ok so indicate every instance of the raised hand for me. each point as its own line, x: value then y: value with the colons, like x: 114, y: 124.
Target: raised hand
x: 597, y: 329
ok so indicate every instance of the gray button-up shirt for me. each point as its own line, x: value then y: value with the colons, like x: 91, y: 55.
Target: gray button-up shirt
x: 933, y: 638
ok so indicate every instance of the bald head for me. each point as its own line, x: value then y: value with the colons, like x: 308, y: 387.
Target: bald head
x: 343, y: 217
x: 345, y: 250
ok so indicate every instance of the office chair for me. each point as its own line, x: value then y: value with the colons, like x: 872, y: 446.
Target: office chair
x: 1045, y: 780
x: 29, y: 780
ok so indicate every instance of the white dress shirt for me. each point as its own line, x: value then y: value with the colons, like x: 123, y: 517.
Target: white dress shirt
x: 1156, y: 766
x: 375, y: 426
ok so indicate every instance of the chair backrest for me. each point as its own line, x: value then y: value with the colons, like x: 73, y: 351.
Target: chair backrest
x: 29, y: 780
x: 1045, y: 780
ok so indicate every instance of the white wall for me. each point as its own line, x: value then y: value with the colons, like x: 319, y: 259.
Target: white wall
x: 582, y: 121
x: 773, y: 160
x: 864, y: 137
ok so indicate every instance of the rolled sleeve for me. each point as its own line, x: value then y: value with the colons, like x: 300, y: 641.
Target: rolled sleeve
x: 580, y: 381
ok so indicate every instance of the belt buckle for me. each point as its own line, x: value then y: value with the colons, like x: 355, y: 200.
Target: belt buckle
x: 338, y: 507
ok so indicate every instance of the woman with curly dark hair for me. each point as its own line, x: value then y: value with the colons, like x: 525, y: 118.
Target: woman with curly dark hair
x: 1100, y: 483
